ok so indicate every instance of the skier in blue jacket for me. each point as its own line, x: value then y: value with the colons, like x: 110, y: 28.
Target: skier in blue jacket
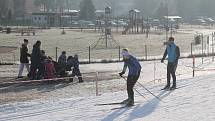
x: 134, y: 67
x: 173, y: 53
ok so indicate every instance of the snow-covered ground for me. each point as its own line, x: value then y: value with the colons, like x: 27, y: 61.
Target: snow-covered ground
x: 193, y: 101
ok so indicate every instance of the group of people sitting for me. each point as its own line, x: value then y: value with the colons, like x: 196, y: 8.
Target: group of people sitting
x: 43, y: 67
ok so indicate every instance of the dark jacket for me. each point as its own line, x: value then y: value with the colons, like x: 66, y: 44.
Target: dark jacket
x: 70, y: 63
x: 24, y: 54
x: 76, y: 64
x: 73, y: 62
x: 62, y: 60
x: 36, y: 55
x: 173, y: 53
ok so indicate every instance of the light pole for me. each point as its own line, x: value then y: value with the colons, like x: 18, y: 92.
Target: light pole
x: 167, y: 20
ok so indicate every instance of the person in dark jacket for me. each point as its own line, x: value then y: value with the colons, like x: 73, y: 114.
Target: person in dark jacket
x: 35, y: 61
x: 133, y: 75
x: 75, y: 71
x: 62, y: 61
x: 24, y: 62
x: 173, y: 53
x: 70, y: 63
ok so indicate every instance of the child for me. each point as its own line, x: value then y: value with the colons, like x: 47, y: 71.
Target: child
x: 76, y: 70
x: 50, y: 68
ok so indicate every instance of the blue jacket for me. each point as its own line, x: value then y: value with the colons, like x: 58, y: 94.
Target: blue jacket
x: 173, y: 53
x: 133, y: 65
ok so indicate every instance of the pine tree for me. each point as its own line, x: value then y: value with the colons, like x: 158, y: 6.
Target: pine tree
x: 161, y: 11
x: 87, y: 10
x: 3, y: 8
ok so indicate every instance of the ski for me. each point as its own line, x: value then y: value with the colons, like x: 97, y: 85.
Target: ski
x: 117, y: 103
x: 114, y: 103
x: 171, y: 89
x: 122, y: 107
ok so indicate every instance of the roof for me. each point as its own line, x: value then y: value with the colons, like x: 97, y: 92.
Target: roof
x: 55, y: 13
x: 71, y: 11
x: 135, y: 10
x: 100, y: 11
x: 173, y: 17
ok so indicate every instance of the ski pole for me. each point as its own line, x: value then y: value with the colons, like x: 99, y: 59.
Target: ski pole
x: 147, y: 90
x: 136, y: 90
x: 150, y: 91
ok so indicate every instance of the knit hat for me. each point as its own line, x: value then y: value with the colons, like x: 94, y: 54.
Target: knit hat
x: 125, y: 52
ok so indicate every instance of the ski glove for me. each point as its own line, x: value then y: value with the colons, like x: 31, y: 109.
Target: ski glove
x: 120, y: 74
x: 162, y: 60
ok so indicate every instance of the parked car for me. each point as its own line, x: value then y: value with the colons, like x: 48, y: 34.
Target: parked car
x: 122, y: 23
x: 74, y: 24
x: 198, y: 21
x: 86, y: 24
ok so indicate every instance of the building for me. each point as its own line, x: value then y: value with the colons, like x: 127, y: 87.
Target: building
x: 53, y: 19
x: 18, y: 9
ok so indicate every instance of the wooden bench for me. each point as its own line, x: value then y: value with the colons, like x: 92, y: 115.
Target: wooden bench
x: 28, y: 32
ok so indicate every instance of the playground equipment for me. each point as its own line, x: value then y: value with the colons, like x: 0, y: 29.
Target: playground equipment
x: 106, y: 40
x: 135, y: 23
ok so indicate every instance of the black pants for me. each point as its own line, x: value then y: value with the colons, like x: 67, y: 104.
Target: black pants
x: 171, y: 68
x: 131, y: 81
x: 36, y: 71
x: 76, y: 72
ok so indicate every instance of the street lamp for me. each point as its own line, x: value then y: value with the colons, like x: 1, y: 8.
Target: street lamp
x: 167, y: 20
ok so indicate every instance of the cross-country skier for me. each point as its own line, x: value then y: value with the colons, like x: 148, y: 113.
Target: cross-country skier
x: 173, y: 53
x: 133, y: 75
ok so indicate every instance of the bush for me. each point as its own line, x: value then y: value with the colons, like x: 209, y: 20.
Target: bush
x: 8, y: 30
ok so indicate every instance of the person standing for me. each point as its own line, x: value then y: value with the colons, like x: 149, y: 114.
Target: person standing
x: 133, y: 75
x: 24, y: 61
x: 35, y: 61
x: 76, y: 70
x: 173, y: 53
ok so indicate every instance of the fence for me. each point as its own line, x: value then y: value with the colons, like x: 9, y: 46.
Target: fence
x: 7, y: 54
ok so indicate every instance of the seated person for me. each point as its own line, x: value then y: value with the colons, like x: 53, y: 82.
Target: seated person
x: 49, y: 68
x: 62, y: 64
x: 70, y: 63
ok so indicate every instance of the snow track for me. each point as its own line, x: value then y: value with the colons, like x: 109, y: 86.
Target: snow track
x: 194, y: 101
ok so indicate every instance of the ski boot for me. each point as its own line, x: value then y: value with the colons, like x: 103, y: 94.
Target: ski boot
x: 125, y: 101
x: 166, y: 87
x: 173, y: 87
x: 130, y: 103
